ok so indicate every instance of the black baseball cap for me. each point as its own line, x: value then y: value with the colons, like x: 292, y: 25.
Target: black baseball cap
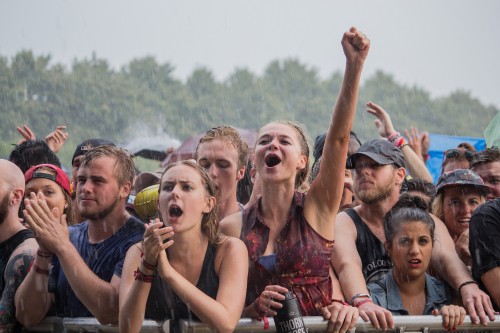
x: 379, y: 150
x: 86, y: 145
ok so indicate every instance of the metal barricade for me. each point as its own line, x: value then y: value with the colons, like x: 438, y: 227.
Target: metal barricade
x: 403, y: 324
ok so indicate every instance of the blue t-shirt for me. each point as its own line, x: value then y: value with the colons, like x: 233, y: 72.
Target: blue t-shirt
x: 105, y: 259
x: 385, y: 293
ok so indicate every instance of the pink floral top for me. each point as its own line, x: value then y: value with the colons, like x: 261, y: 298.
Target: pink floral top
x: 302, y: 258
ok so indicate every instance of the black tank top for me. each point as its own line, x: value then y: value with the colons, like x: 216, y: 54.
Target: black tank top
x: 375, y: 261
x: 164, y: 304
x: 7, y: 247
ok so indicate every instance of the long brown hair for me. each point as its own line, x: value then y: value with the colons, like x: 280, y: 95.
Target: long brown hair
x: 209, y: 223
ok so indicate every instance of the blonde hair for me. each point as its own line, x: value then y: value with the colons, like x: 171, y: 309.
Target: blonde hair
x: 209, y: 223
x: 229, y: 135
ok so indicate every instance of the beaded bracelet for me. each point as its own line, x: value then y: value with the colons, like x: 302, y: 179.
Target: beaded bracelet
x: 140, y: 276
x: 466, y: 283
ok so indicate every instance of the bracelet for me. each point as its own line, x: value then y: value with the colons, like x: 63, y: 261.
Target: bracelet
x: 467, y: 283
x: 400, y: 142
x: 339, y: 301
x: 368, y: 300
x: 403, y: 145
x: 43, y: 254
x: 358, y: 296
x: 37, y: 269
x: 393, y: 137
x: 148, y: 265
x: 140, y: 276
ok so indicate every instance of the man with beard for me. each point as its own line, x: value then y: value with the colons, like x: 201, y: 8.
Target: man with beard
x: 359, y: 256
x: 17, y: 245
x: 87, y: 258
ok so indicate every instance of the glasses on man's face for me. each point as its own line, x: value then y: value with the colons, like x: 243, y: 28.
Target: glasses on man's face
x: 457, y: 153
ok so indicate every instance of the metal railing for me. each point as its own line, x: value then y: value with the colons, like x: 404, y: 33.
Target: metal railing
x: 402, y: 324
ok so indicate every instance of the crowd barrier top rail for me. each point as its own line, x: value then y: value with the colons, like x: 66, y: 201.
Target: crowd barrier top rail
x: 402, y: 324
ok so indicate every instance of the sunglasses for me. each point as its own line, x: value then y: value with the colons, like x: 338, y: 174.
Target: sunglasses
x: 456, y: 153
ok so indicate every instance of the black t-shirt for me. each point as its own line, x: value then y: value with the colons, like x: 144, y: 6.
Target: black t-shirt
x: 484, y: 238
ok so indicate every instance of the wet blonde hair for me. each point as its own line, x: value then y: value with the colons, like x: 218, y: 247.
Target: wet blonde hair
x: 209, y: 223
x: 229, y: 135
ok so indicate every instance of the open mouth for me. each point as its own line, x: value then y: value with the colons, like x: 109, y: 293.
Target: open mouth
x: 175, y: 211
x: 272, y: 160
x: 415, y: 261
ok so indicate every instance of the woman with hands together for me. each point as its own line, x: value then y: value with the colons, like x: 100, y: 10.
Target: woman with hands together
x: 184, y: 268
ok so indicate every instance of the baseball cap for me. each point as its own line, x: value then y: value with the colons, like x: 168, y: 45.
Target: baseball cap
x: 60, y: 177
x: 379, y: 150
x: 461, y: 177
x: 86, y: 145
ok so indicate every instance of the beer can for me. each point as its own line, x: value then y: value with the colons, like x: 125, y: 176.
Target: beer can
x: 289, y: 318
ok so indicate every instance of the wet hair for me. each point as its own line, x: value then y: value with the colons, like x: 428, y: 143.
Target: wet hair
x: 438, y: 205
x: 229, y: 135
x: 409, y: 208
x: 245, y: 185
x: 303, y: 174
x: 33, y: 152
x: 488, y: 155
x: 209, y: 223
x: 419, y: 185
x: 124, y: 165
x: 67, y: 198
x: 467, y: 146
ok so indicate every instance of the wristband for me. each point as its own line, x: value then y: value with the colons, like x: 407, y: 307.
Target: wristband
x: 339, y: 301
x: 393, y: 137
x: 467, y: 283
x: 368, y: 300
x: 43, y: 254
x: 140, y: 276
x: 148, y: 265
x: 403, y: 145
x: 358, y: 296
x: 37, y: 269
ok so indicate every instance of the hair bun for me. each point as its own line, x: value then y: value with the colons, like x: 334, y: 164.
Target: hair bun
x: 411, y: 201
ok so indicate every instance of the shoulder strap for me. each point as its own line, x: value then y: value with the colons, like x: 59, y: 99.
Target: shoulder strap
x: 354, y: 216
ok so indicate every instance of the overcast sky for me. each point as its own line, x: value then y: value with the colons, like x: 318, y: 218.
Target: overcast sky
x: 440, y: 46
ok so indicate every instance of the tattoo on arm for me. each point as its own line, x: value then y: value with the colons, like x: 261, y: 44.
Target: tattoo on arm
x: 15, y: 272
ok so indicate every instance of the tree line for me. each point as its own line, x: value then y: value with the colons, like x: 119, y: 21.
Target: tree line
x: 144, y: 98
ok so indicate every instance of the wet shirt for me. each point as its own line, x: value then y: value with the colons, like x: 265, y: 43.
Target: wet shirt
x: 386, y: 294
x: 375, y: 262
x: 484, y: 239
x: 302, y: 258
x: 163, y: 303
x: 7, y: 247
x: 105, y: 259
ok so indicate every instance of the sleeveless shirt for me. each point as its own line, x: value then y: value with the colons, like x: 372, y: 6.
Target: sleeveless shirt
x: 302, y: 258
x: 164, y: 304
x: 7, y: 247
x: 375, y: 261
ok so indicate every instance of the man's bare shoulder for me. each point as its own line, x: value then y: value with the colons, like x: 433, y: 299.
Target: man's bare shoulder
x: 231, y: 225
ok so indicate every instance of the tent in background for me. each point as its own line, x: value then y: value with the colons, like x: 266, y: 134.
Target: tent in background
x: 440, y: 143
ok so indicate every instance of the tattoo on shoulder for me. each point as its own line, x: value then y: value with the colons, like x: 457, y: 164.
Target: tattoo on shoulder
x: 15, y: 272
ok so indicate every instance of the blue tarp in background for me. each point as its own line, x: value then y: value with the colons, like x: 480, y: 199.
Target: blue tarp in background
x: 440, y: 143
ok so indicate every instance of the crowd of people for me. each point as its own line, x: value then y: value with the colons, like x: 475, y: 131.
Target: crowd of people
x: 361, y: 232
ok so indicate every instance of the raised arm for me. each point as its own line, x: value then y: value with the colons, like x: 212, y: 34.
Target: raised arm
x: 414, y: 162
x: 323, y: 200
